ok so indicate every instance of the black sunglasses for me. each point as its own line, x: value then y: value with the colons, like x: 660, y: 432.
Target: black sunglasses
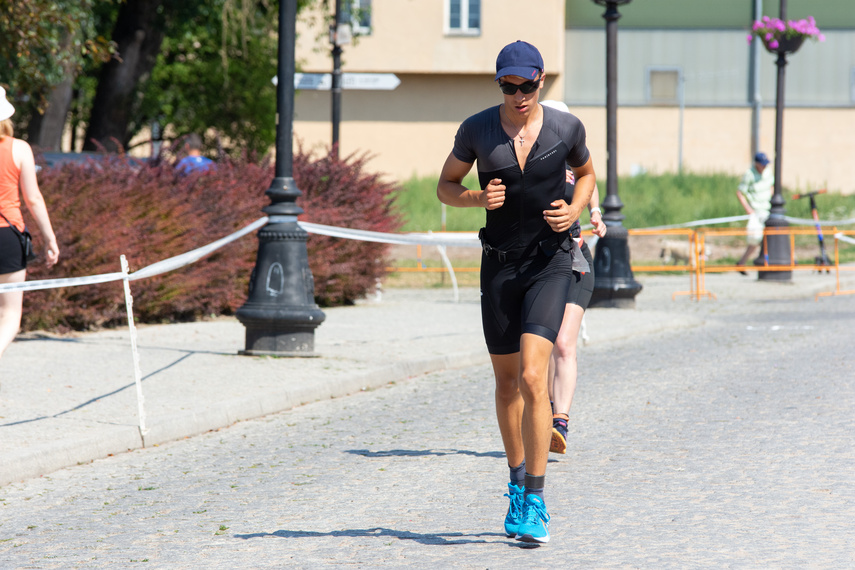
x: 527, y: 88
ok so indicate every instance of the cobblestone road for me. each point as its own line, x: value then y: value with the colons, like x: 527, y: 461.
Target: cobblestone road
x: 724, y: 446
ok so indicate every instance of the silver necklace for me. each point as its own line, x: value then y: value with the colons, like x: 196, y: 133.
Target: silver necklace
x: 520, y: 134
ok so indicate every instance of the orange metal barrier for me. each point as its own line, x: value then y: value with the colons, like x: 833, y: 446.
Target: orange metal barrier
x: 696, y: 265
x: 692, y: 267
x: 837, y: 268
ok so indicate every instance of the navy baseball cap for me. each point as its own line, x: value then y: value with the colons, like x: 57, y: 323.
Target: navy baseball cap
x: 761, y: 158
x: 519, y: 58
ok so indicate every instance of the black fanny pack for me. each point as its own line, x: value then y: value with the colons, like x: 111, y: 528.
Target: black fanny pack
x: 26, y: 240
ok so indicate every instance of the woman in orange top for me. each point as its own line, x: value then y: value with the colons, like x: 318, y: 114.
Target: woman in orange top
x: 17, y: 178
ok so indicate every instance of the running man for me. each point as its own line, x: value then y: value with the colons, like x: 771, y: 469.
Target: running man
x: 522, y: 150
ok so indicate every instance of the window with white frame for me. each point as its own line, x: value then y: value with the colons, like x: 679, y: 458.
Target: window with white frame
x: 463, y: 17
x: 358, y: 14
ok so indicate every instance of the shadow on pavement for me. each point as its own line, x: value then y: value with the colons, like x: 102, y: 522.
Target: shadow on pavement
x: 96, y: 398
x: 417, y: 453
x: 440, y: 539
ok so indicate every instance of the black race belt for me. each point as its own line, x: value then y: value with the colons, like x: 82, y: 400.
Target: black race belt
x: 548, y: 247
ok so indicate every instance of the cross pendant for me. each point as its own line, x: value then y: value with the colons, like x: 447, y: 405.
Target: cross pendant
x: 522, y: 141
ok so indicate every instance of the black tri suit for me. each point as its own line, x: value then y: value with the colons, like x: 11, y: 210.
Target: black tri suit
x: 526, y: 267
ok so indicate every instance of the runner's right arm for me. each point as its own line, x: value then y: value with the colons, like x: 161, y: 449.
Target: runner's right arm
x: 451, y: 191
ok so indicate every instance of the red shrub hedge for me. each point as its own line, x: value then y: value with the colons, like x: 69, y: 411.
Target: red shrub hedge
x: 102, y: 210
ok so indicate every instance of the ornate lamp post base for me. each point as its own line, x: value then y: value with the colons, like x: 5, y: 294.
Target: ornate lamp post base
x: 280, y: 314
x: 614, y: 284
x: 266, y: 339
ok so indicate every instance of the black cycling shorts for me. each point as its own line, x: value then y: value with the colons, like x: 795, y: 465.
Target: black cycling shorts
x: 11, y: 252
x: 582, y: 284
x: 523, y: 296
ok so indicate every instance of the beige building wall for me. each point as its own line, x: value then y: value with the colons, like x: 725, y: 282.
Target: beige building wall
x: 818, y: 147
x: 409, y: 36
x: 444, y: 79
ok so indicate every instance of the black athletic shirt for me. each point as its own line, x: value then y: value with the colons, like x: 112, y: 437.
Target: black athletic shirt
x: 519, y: 222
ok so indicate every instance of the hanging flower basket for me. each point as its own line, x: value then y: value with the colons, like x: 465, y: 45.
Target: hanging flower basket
x: 784, y: 45
x: 784, y: 37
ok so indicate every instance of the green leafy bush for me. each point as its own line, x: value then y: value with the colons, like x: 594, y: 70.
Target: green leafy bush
x: 102, y: 210
x: 338, y: 192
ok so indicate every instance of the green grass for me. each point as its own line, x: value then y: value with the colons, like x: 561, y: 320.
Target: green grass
x: 422, y: 210
x: 648, y: 201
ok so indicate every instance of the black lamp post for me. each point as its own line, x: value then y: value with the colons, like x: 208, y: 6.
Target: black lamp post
x: 336, y: 76
x: 614, y: 284
x: 280, y: 314
x: 776, y: 247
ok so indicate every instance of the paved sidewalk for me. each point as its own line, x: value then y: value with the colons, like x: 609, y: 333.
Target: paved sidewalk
x: 71, y: 399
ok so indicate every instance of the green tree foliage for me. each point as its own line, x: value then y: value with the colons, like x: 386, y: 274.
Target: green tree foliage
x: 213, y: 76
x: 42, y: 40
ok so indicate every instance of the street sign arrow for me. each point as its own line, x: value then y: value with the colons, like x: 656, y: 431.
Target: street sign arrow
x: 370, y: 81
x: 350, y: 81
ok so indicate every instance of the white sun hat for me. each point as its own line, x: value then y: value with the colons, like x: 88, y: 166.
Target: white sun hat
x: 6, y: 108
x: 560, y: 105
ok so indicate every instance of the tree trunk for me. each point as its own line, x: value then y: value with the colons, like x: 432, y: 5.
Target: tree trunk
x: 138, y: 33
x: 45, y: 131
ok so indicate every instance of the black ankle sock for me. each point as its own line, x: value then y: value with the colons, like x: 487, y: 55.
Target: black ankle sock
x: 518, y: 474
x: 534, y: 485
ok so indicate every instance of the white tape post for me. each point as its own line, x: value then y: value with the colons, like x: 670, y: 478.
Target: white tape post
x: 129, y: 305
x: 447, y: 262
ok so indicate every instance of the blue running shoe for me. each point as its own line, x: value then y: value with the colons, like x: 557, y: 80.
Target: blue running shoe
x: 534, y: 526
x: 515, y: 510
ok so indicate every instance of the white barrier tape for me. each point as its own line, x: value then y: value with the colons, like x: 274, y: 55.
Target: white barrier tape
x: 467, y: 239
x: 148, y: 271
x: 812, y: 222
x: 57, y: 283
x: 462, y: 239
x: 798, y: 221
x: 845, y: 238
x: 193, y: 256
x: 700, y: 223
